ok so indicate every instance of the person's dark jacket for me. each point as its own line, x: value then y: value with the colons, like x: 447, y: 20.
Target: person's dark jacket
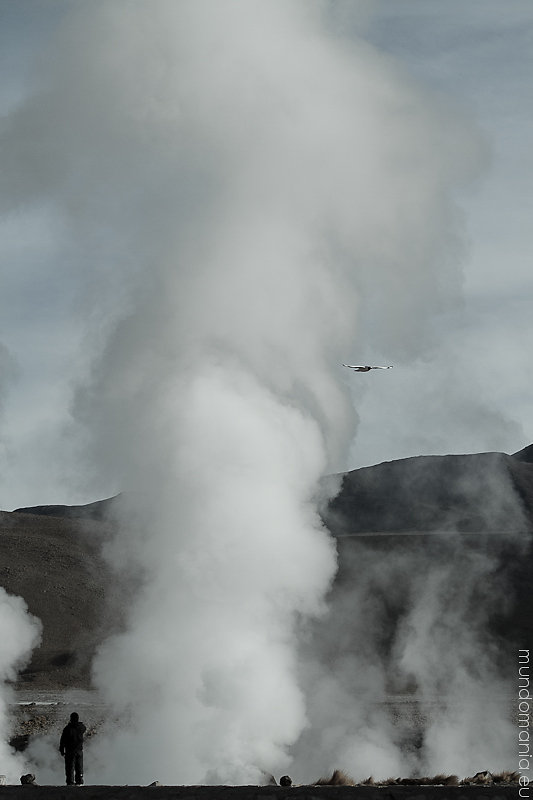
x: 72, y: 738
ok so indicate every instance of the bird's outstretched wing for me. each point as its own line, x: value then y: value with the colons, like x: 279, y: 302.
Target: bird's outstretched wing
x: 359, y: 368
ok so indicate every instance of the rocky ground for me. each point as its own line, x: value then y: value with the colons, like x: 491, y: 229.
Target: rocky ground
x: 48, y: 713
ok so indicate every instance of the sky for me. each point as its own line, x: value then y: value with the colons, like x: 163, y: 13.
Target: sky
x: 479, y: 55
x: 460, y: 384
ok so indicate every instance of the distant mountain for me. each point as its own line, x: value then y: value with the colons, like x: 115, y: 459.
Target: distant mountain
x: 481, y: 492
x: 485, y: 492
x: 50, y: 555
x: 100, y: 510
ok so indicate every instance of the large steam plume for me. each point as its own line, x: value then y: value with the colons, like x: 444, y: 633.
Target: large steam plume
x: 235, y: 181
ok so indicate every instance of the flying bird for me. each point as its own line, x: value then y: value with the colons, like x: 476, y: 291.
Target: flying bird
x: 363, y: 369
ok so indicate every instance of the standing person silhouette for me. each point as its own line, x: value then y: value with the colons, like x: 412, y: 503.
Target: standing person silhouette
x: 71, y: 747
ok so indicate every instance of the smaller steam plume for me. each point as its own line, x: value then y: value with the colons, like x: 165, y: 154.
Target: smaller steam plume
x: 409, y: 672
x: 20, y: 632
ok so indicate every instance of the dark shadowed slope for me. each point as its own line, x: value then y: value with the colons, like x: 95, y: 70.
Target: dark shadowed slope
x: 462, y: 509
x: 485, y: 492
x: 525, y: 455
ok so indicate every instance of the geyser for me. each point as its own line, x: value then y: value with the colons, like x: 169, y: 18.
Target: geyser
x: 235, y: 180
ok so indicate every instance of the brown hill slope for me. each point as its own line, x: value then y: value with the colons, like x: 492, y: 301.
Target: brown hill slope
x: 55, y: 565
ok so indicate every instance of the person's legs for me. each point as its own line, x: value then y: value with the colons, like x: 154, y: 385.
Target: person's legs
x: 69, y: 768
x: 78, y: 767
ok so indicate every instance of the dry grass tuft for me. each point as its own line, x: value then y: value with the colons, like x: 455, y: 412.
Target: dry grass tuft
x: 337, y: 778
x: 479, y: 779
x: 507, y: 776
x: 436, y: 780
x: 446, y: 780
x: 485, y: 778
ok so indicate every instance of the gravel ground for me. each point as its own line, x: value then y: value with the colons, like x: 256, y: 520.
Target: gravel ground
x: 45, y: 712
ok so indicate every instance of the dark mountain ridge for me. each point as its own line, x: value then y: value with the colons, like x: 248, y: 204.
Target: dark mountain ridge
x: 51, y: 555
x: 481, y: 492
x: 100, y: 510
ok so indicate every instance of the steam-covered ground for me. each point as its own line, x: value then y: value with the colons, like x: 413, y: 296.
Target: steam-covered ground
x: 46, y: 712
x: 41, y: 715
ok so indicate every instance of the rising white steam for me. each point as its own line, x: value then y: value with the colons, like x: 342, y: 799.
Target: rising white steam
x: 402, y: 674
x: 236, y: 180
x: 20, y: 632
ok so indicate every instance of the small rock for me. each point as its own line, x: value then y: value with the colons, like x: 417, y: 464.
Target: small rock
x: 28, y: 780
